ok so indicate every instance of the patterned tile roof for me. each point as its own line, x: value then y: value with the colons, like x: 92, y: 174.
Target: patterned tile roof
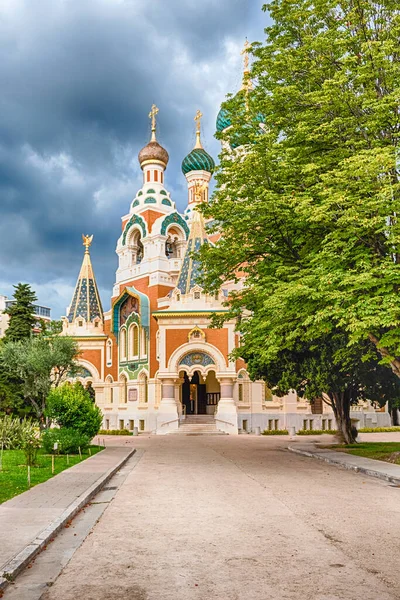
x: 191, y: 267
x: 86, y: 301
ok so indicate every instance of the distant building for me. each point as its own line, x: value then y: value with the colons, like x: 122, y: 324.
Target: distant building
x: 43, y: 313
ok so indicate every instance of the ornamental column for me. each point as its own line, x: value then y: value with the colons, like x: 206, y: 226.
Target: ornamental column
x: 227, y: 416
x: 167, y: 417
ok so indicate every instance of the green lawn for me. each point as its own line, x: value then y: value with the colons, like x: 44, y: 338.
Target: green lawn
x: 13, y: 477
x: 377, y: 450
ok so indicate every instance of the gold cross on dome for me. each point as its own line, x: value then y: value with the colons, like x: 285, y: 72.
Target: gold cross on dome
x: 87, y: 241
x: 152, y: 116
x: 246, y: 56
x: 197, y: 118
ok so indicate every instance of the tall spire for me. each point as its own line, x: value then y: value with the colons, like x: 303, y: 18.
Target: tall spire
x: 246, y: 81
x: 86, y: 301
x: 197, y: 118
x: 191, y: 267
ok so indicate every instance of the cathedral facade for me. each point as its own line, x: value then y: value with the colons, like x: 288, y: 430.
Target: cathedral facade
x: 153, y: 359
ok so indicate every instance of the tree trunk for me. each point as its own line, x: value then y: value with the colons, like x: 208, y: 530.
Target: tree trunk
x: 341, y: 410
x: 395, y: 416
x: 384, y: 352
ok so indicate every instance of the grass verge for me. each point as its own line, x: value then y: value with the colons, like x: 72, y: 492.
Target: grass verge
x: 386, y: 451
x: 14, y: 476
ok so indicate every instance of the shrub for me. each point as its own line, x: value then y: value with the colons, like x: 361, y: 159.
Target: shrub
x: 69, y: 440
x: 114, y: 432
x: 275, y: 432
x: 14, y: 432
x: 316, y: 431
x: 71, y: 407
x: 379, y: 430
x: 30, y: 446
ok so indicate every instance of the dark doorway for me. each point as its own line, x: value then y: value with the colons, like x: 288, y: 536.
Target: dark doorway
x: 194, y: 395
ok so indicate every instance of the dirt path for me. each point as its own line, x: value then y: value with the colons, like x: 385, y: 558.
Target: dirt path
x: 239, y: 518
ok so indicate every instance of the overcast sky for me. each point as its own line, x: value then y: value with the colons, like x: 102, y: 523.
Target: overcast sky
x: 77, y: 82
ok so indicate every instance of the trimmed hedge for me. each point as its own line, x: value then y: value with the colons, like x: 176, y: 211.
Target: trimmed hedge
x: 316, y: 431
x: 379, y: 430
x: 69, y: 440
x: 114, y: 432
x: 275, y: 432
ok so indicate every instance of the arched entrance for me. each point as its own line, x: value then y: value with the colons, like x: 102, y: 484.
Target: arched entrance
x: 200, y: 396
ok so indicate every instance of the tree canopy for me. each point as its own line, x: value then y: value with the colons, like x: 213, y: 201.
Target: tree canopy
x: 40, y: 363
x: 21, y: 313
x: 71, y: 406
x: 308, y: 184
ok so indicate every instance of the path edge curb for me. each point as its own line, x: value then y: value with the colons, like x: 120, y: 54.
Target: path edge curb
x: 18, y: 563
x: 348, y: 467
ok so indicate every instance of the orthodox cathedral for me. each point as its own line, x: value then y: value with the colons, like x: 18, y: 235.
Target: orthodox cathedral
x: 153, y: 360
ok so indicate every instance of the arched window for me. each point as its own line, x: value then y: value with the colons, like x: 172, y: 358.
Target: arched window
x: 109, y: 349
x: 123, y: 390
x: 90, y: 390
x: 133, y: 341
x: 174, y: 243
x: 143, y: 343
x: 143, y: 388
x: 109, y: 390
x: 244, y: 387
x: 122, y: 344
x: 136, y: 247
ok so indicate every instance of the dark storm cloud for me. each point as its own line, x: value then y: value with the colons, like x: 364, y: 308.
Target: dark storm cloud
x: 77, y: 80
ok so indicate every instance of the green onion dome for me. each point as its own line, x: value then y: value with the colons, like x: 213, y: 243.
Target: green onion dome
x: 198, y: 160
x: 223, y: 120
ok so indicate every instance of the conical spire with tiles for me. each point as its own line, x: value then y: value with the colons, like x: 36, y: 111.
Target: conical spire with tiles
x: 191, y: 266
x: 86, y: 301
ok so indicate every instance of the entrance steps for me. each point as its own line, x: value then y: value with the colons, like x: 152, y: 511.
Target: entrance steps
x: 198, y: 425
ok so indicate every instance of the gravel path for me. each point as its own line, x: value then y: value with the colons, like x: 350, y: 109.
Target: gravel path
x: 239, y: 518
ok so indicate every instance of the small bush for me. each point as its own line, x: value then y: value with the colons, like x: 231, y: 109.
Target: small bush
x: 379, y: 430
x: 275, y: 432
x: 114, y: 432
x: 316, y: 431
x: 69, y: 440
x: 31, y: 446
x: 71, y: 407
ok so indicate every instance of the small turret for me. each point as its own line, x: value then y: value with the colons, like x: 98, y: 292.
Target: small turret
x: 85, y: 314
x: 198, y: 167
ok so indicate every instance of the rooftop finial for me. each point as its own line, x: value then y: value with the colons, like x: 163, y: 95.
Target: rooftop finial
x: 246, y: 84
x: 197, y: 118
x: 152, y: 116
x: 87, y: 241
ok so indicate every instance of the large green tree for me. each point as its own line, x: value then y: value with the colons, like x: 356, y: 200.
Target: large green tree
x: 21, y: 313
x: 41, y: 364
x: 308, y: 193
x: 331, y: 369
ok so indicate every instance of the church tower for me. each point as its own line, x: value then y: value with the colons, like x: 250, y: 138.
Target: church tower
x: 198, y: 167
